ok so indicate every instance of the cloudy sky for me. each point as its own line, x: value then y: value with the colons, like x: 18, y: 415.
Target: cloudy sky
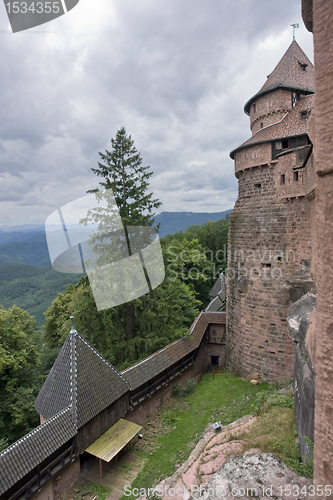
x: 175, y: 73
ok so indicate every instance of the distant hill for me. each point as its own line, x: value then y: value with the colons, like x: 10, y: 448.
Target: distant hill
x: 23, y: 228
x: 18, y: 236
x: 32, y: 288
x: 32, y: 251
x: 173, y: 222
x: 27, y: 244
x: 26, y: 276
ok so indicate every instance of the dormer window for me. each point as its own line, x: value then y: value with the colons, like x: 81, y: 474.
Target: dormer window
x: 254, y: 107
x: 303, y: 65
x: 305, y: 114
x: 295, y: 97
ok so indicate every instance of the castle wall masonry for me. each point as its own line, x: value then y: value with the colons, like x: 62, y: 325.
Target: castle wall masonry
x: 271, y: 227
x: 266, y: 111
x: 318, y: 18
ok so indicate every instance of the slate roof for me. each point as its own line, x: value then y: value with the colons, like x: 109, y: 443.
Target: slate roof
x: 291, y: 125
x: 32, y: 449
x: 289, y: 73
x: 150, y: 367
x: 218, y: 286
x: 82, y: 378
x: 215, y: 305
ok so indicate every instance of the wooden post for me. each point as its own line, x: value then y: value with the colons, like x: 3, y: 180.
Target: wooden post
x: 100, y: 469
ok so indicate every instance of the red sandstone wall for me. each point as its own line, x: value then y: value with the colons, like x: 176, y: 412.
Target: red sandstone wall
x: 323, y: 51
x: 291, y: 187
x: 270, y: 109
x: 268, y: 243
x: 253, y: 156
x: 310, y: 175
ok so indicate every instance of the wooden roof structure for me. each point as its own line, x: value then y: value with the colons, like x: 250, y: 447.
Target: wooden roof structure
x: 109, y: 444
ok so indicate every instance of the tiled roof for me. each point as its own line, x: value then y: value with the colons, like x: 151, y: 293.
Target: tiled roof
x: 215, y: 305
x: 150, y: 367
x: 294, y: 70
x: 81, y: 377
x: 31, y: 450
x: 291, y: 125
x: 81, y: 384
x: 218, y: 286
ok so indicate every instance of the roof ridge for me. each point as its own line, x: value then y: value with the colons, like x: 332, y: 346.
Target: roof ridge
x: 47, y: 422
x: 92, y: 348
x: 73, y: 376
x: 291, y: 46
x: 70, y: 380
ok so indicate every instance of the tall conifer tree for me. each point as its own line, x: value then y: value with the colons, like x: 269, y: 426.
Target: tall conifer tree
x: 123, y: 172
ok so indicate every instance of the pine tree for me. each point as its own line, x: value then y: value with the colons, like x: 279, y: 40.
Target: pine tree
x: 124, y: 175
x: 123, y: 172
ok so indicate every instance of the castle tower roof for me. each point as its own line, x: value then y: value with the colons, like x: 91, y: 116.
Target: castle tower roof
x: 292, y: 125
x: 294, y: 71
x: 81, y: 379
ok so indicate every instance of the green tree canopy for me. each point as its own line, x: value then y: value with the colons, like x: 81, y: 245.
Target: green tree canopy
x: 213, y: 238
x: 159, y: 318
x: 19, y: 373
x: 186, y: 260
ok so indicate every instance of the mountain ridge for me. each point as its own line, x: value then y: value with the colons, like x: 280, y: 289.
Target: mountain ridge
x: 21, y: 248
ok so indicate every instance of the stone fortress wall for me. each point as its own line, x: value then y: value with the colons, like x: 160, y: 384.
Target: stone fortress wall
x: 300, y: 214
x: 270, y: 235
x: 318, y: 18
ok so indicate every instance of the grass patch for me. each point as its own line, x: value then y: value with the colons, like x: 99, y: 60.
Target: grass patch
x: 99, y: 489
x: 187, y: 421
x: 126, y: 468
x: 275, y: 432
x: 226, y: 398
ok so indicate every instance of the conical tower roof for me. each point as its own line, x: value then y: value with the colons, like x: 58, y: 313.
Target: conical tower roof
x: 294, y: 71
x: 80, y: 379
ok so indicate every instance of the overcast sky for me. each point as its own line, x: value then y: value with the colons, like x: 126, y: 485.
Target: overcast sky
x: 175, y: 73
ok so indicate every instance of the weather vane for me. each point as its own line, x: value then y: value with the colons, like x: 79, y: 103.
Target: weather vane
x: 296, y: 25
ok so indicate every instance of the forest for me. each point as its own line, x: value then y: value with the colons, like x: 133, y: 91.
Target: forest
x: 193, y: 260
x: 27, y: 351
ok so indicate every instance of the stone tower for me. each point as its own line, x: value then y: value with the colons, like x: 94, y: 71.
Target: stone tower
x: 270, y: 232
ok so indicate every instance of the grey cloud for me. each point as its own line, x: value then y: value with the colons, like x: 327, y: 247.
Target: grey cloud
x: 175, y: 73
